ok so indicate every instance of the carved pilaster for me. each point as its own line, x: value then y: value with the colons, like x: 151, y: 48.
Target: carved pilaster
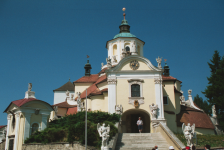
x: 111, y: 81
x: 158, y: 80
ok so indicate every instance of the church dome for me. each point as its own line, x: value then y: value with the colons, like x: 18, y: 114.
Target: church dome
x: 124, y: 35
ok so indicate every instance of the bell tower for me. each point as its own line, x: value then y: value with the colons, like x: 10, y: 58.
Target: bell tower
x: 87, y: 68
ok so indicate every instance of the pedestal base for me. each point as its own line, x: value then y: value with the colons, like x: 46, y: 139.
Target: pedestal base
x: 104, y: 148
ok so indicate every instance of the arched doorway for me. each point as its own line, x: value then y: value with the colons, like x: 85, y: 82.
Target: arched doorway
x: 129, y: 120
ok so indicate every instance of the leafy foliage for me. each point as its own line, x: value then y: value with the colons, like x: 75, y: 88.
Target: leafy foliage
x: 203, y: 104
x: 72, y: 128
x: 202, y: 140
x: 214, y: 90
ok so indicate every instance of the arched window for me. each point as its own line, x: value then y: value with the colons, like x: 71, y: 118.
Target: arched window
x: 135, y: 90
x: 35, y: 127
x: 114, y: 49
x: 127, y: 48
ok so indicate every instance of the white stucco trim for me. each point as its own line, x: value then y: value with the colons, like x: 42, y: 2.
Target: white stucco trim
x: 16, y: 130
x: 159, y: 97
x: 7, y: 134
x: 112, y: 94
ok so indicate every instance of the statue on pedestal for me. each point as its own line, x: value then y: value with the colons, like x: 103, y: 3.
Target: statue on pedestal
x: 114, y: 59
x: 108, y: 62
x: 159, y: 60
x: 118, y: 109
x: 153, y: 109
x: 29, y: 86
x: 188, y: 133
x: 104, y: 133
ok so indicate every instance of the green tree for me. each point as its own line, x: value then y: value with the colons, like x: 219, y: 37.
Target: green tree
x: 203, y: 104
x: 215, y: 89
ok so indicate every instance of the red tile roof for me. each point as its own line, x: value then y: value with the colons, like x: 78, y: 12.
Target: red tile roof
x: 64, y: 105
x: 72, y: 111
x: 3, y: 126
x: 101, y: 79
x: 88, y: 79
x: 104, y: 90
x: 191, y: 115
x: 169, y: 78
x: 21, y: 102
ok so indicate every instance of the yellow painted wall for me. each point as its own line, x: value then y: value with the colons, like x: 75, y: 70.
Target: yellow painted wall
x: 115, y: 49
x: 62, y: 111
x: 98, y: 103
x: 177, y: 101
x: 105, y: 94
x: 80, y: 87
x: 103, y: 85
x: 142, y: 66
x: 35, y: 118
x: 123, y: 94
x: 199, y: 131
x: 177, y: 85
x: 168, y: 90
x: 171, y: 121
x: 21, y: 132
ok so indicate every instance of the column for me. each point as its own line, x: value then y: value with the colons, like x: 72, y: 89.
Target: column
x: 159, y: 97
x: 27, y: 126
x: 112, y: 95
x: 44, y: 121
x: 7, y: 134
x: 16, y: 131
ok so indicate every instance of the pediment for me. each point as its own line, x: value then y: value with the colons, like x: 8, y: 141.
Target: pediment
x: 143, y: 64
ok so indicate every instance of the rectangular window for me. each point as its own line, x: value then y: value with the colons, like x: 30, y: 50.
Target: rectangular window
x: 165, y: 100
x: 135, y: 90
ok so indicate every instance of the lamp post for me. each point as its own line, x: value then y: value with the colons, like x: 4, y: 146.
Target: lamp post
x: 86, y: 123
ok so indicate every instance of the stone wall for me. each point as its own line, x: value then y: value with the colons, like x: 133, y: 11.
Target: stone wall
x: 58, y: 146
x: 2, y: 146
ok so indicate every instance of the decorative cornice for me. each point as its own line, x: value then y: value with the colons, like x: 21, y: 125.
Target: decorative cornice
x: 158, y: 80
x: 111, y: 81
x: 17, y: 114
x: 135, y: 80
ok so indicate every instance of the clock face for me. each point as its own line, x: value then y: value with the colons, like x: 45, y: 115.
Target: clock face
x: 134, y: 64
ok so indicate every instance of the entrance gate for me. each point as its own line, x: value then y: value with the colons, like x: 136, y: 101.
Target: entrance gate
x: 130, y: 118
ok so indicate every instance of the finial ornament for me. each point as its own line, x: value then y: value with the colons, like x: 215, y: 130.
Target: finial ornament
x: 124, y: 12
x: 165, y: 60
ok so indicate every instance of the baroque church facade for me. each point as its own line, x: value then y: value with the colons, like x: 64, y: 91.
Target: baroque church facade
x: 130, y: 85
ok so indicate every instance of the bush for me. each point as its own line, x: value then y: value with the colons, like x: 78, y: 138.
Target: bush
x: 72, y: 128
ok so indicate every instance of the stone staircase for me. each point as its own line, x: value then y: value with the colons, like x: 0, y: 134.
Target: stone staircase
x: 141, y: 141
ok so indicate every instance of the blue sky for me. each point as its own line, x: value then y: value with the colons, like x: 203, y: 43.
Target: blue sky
x: 45, y: 42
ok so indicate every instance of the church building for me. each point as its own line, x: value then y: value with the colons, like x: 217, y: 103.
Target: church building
x: 130, y: 85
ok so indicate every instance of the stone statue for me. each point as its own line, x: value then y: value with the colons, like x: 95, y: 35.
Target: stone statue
x: 159, y: 60
x: 214, y: 111
x: 102, y: 65
x: 153, y: 109
x: 188, y: 133
x: 108, y: 62
x: 189, y: 92
x: 79, y: 102
x: 29, y: 86
x: 114, y: 59
x: 104, y: 133
x: 123, y: 53
x: 67, y: 93
x: 182, y: 98
x: 118, y: 109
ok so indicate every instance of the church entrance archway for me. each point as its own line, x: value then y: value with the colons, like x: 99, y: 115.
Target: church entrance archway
x: 130, y: 118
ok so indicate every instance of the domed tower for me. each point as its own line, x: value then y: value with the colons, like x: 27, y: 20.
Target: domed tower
x: 123, y: 42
